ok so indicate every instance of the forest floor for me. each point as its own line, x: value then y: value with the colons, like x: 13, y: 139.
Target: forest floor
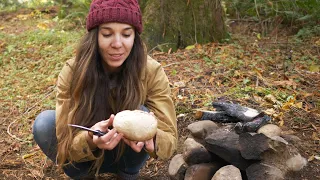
x: 275, y: 74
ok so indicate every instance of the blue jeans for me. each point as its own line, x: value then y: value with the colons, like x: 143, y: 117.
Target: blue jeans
x: 44, y: 132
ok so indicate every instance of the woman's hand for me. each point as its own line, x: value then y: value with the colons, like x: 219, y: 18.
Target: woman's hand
x: 108, y: 141
x: 138, y: 146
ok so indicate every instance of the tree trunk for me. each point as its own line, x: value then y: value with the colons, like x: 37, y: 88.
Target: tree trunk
x: 179, y: 23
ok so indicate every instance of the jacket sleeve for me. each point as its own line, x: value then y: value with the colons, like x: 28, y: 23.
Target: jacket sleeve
x: 79, y: 148
x: 159, y: 102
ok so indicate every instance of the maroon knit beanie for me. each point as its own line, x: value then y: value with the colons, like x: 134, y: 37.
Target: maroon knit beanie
x: 123, y: 11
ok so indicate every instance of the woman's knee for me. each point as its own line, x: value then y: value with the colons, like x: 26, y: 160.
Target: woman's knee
x: 144, y: 108
x: 79, y: 170
x: 44, y: 121
x: 131, y: 161
x: 44, y: 133
x: 44, y: 126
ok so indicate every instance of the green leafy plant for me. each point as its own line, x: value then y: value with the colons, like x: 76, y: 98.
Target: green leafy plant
x: 299, y: 13
x: 79, y: 9
x: 307, y: 32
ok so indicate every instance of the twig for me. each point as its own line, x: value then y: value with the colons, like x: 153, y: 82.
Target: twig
x: 257, y: 81
x: 13, y: 122
x: 158, y: 46
x: 29, y: 169
x: 195, y: 26
x: 170, y: 64
x: 256, y: 7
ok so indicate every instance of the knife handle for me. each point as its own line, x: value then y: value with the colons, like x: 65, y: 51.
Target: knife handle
x: 98, y: 133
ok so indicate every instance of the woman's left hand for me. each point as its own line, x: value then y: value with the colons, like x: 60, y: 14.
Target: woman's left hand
x: 138, y: 146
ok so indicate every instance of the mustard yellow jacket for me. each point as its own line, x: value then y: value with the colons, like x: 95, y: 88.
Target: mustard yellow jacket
x: 156, y: 97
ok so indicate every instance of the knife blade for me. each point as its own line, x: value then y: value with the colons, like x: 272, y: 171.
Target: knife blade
x: 95, y: 132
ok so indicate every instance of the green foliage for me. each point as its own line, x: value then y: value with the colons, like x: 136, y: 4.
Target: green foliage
x: 307, y: 32
x: 74, y: 9
x: 39, y: 3
x: 299, y: 13
x: 208, y: 60
x: 9, y: 5
x: 298, y: 10
x: 30, y: 63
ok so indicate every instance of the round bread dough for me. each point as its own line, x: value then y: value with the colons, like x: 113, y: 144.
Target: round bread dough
x: 136, y: 125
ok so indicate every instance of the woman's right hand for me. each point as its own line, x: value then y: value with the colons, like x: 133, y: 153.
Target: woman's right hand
x: 108, y: 141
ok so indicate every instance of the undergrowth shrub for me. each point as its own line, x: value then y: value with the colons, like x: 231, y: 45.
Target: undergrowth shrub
x: 298, y: 13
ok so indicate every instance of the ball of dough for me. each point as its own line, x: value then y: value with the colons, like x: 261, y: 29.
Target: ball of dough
x: 136, y: 125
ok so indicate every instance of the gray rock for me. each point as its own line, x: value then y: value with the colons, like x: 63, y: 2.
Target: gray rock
x: 195, y: 153
x: 177, y: 167
x: 291, y: 138
x: 229, y: 172
x: 201, y: 129
x: 280, y: 139
x: 260, y: 171
x: 225, y: 143
x: 270, y: 130
x: 296, y: 163
x: 201, y: 171
x: 252, y: 145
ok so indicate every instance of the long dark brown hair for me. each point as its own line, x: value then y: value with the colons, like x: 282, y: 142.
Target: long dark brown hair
x: 92, y: 99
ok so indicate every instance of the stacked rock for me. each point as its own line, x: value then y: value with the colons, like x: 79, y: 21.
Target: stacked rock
x: 218, y: 153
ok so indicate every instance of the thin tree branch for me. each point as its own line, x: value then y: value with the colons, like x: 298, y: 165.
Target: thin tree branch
x: 158, y: 46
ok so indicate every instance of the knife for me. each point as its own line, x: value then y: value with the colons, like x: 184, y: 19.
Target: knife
x: 95, y: 132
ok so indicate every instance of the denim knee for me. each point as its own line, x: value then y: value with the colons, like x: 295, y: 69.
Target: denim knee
x: 144, y: 108
x: 131, y: 162
x: 44, y: 133
x: 44, y: 124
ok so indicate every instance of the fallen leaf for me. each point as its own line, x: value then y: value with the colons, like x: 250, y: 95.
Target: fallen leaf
x: 258, y: 99
x: 315, y: 127
x: 281, y: 123
x: 289, y: 82
x: 270, y: 111
x: 306, y: 94
x: 179, y: 84
x: 314, y: 68
x: 270, y: 98
x: 181, y: 115
x: 298, y: 105
x: 190, y: 47
x: 26, y: 156
x: 42, y: 26
x: 23, y: 16
x: 286, y: 106
x: 16, y: 147
x: 236, y: 74
x: 280, y: 118
x: 258, y: 73
x: 311, y: 158
x: 317, y: 42
x: 211, y: 80
x: 315, y: 136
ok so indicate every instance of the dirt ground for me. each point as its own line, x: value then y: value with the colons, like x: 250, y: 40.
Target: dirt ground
x: 23, y: 160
